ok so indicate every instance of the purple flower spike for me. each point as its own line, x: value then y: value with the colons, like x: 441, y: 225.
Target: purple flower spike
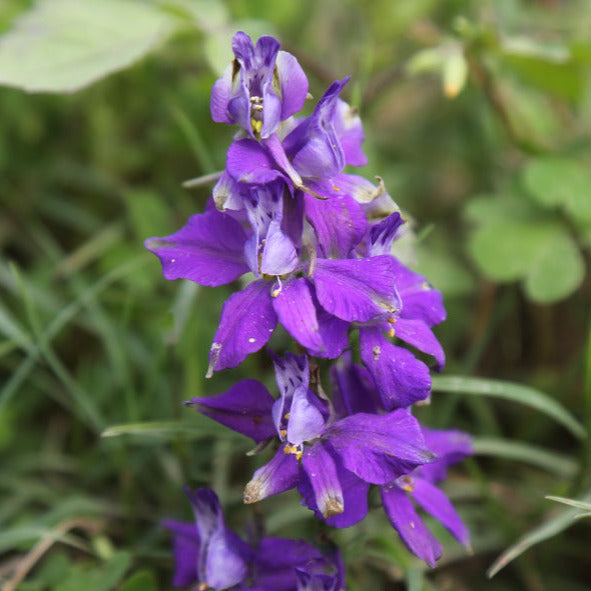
x: 261, y: 87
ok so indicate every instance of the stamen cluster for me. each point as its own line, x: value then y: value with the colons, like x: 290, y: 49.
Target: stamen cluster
x: 315, y: 244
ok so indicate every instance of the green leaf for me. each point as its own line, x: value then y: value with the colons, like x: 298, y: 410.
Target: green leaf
x: 142, y: 580
x: 546, y: 530
x: 571, y: 502
x: 64, y: 45
x: 561, y: 182
x: 165, y: 429
x: 558, y: 269
x: 513, y: 392
x: 515, y: 450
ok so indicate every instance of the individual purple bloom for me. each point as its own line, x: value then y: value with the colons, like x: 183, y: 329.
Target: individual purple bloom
x: 331, y: 461
x: 353, y: 389
x: 220, y: 558
x: 211, y: 555
x: 260, y: 88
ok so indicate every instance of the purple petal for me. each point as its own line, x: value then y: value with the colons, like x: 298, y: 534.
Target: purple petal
x: 322, y: 474
x: 315, y: 149
x: 384, y: 233
x: 420, y: 299
x: 226, y: 194
x: 276, y: 559
x: 247, y: 322
x: 293, y: 83
x: 353, y: 388
x: 339, y: 224
x: 379, y: 448
x: 359, y: 188
x: 354, y: 497
x: 419, y: 335
x: 224, y: 567
x: 450, y: 446
x: 349, y: 130
x: 334, y: 333
x: 305, y: 420
x: 356, y: 289
x: 245, y: 408
x: 217, y: 545
x: 207, y: 250
x: 185, y: 548
x: 279, y: 254
x: 405, y: 520
x: 277, y: 153
x: 248, y: 162
x: 278, y: 475
x: 436, y: 503
x: 297, y: 313
x: 220, y: 96
x: 401, y: 379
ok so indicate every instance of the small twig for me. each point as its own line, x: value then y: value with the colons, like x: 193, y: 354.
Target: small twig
x: 199, y: 181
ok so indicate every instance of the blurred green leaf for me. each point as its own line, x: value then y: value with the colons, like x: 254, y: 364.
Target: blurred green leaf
x: 557, y: 270
x: 165, y: 429
x: 513, y: 392
x: 454, y: 72
x: 64, y: 45
x: 570, y: 502
x: 515, y: 450
x: 555, y: 181
x: 143, y: 580
x: 102, y: 577
x: 514, y: 242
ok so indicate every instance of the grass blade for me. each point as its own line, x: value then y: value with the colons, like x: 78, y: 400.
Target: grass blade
x: 514, y: 392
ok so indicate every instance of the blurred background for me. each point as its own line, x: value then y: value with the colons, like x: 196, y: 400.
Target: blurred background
x: 477, y: 115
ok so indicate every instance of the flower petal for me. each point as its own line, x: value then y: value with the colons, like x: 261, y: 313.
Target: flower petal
x: 245, y: 408
x: 405, y: 520
x: 356, y: 289
x: 349, y: 130
x: 278, y: 475
x: 207, y: 250
x: 384, y: 233
x: 401, y: 379
x: 421, y: 301
x: 322, y: 474
x: 339, y: 224
x: 305, y: 419
x: 451, y: 447
x: 279, y: 254
x: 185, y: 549
x: 419, y: 335
x: 247, y: 322
x: 379, y: 448
x: 353, y: 388
x: 436, y: 503
x: 248, y: 162
x: 220, y: 96
x: 293, y: 84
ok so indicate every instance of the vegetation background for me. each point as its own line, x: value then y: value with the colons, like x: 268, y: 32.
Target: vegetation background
x: 478, y: 118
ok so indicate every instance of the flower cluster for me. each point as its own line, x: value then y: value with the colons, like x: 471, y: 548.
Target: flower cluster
x: 315, y: 245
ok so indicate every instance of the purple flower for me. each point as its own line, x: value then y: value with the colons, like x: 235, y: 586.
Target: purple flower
x: 260, y: 88
x: 316, y: 300
x: 206, y: 552
x: 355, y: 390
x: 311, y: 157
x: 331, y: 461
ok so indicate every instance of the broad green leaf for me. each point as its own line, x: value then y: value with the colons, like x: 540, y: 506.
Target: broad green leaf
x: 513, y: 392
x: 142, y: 580
x: 551, y: 527
x: 558, y: 269
x: 560, y: 182
x: 505, y: 250
x: 64, y: 45
x: 515, y: 450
